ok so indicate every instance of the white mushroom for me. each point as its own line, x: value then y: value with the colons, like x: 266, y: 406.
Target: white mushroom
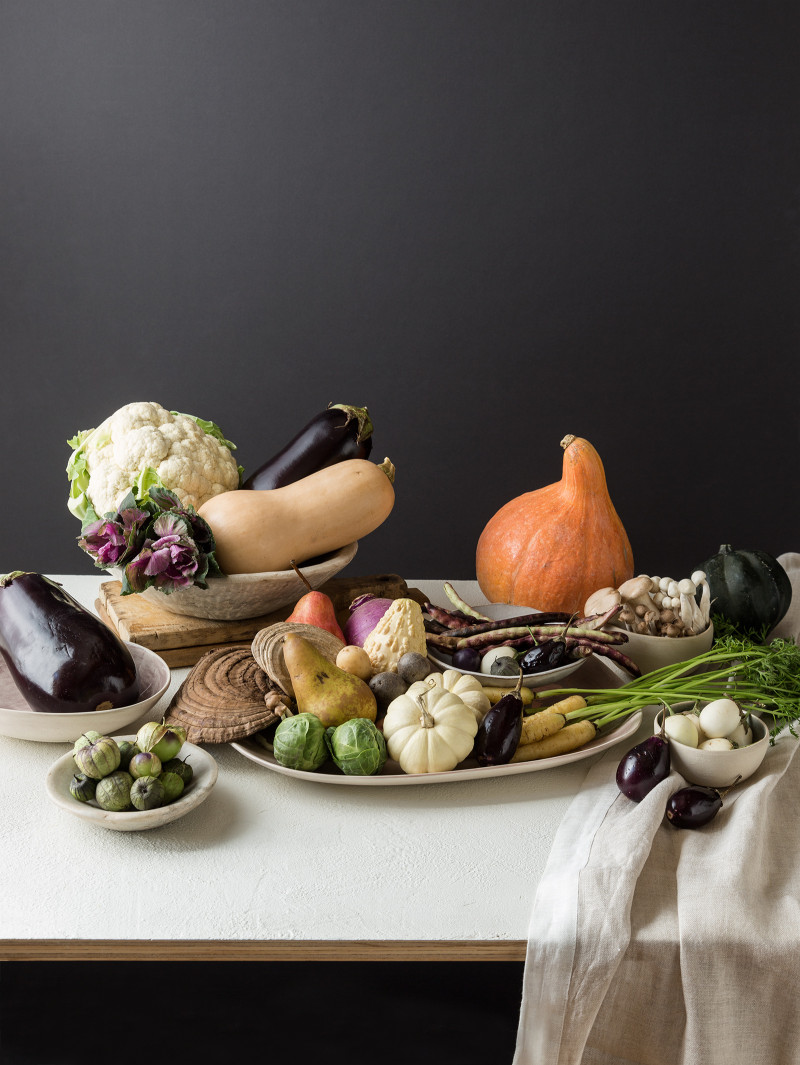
x: 602, y: 600
x: 636, y: 592
x: 690, y: 612
x: 701, y: 581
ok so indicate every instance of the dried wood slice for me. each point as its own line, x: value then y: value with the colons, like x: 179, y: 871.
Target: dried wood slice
x: 267, y: 649
x: 226, y: 696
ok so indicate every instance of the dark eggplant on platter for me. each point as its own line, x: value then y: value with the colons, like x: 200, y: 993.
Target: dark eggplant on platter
x: 62, y: 658
x: 339, y: 432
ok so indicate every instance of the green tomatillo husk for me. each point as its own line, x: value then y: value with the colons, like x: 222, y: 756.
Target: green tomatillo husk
x: 98, y: 759
x: 181, y: 767
x: 82, y: 787
x: 150, y: 734
x: 148, y: 793
x: 173, y: 786
x: 170, y: 743
x: 114, y: 791
x: 126, y: 751
x: 86, y: 740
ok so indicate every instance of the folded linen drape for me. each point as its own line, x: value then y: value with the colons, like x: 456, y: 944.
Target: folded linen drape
x: 658, y: 946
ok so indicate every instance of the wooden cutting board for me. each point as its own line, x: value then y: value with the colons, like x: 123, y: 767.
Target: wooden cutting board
x: 181, y: 640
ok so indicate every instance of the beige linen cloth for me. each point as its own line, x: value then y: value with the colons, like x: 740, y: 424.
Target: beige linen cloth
x: 660, y: 946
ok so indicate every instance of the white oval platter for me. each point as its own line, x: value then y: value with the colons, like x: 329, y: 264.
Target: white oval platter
x: 392, y: 775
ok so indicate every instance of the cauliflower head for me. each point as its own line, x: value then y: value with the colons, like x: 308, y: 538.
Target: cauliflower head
x: 141, y: 445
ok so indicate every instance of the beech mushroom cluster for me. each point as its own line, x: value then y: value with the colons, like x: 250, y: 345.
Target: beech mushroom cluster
x: 657, y: 606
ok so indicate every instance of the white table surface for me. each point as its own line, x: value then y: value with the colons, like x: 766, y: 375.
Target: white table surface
x: 278, y: 865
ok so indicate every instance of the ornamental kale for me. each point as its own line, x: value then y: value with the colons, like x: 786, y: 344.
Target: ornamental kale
x: 157, y: 541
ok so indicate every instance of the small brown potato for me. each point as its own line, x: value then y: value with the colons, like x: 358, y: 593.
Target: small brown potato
x: 355, y: 660
x: 386, y: 687
x: 413, y: 666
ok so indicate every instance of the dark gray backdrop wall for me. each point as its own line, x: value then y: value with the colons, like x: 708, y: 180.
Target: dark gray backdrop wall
x: 494, y: 223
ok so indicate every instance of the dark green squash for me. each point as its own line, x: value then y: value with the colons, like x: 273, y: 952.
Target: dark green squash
x: 750, y: 589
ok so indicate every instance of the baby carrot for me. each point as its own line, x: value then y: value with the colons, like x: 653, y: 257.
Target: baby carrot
x: 536, y: 726
x: 494, y: 695
x: 553, y: 718
x: 567, y: 739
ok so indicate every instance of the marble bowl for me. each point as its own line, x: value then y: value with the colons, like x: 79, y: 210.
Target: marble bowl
x: 20, y: 722
x: 237, y: 596
x: 717, y: 769
x: 205, y: 776
x: 652, y: 652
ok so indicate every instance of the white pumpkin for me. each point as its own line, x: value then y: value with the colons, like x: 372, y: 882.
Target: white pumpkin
x: 430, y: 731
x: 468, y: 689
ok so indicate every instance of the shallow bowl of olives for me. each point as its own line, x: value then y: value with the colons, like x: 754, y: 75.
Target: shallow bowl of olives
x: 204, y: 776
x: 539, y: 679
x: 717, y: 769
x: 20, y: 722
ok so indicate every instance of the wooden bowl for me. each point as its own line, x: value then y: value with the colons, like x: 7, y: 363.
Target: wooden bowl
x: 249, y: 595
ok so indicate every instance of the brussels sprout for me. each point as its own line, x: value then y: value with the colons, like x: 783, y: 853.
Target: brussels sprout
x: 183, y: 770
x: 173, y: 786
x: 357, y: 747
x: 114, y: 791
x: 300, y: 742
x: 82, y: 787
x: 148, y: 793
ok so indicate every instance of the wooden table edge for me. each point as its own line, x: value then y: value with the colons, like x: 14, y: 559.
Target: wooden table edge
x: 260, y: 950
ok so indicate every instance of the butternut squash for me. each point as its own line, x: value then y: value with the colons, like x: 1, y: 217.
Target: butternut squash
x: 260, y: 531
x: 551, y: 548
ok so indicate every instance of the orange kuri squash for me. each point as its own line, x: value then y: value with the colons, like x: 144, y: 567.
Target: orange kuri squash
x: 551, y: 548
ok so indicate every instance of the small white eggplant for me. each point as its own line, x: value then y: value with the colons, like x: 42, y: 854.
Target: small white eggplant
x: 719, y: 718
x: 716, y: 743
x: 680, y: 729
x: 694, y: 718
x: 492, y: 656
x: 741, y: 736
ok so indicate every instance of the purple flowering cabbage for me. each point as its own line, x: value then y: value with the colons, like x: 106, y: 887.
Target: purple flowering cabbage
x: 158, y: 542
x: 114, y: 542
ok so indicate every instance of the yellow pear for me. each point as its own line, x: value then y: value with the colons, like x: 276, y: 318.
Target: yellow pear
x: 321, y: 688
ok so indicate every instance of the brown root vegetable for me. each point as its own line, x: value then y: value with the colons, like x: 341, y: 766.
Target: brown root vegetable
x: 355, y: 660
x: 569, y: 738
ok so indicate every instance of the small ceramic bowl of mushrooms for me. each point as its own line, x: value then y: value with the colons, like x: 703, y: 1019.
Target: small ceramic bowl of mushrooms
x: 665, y: 620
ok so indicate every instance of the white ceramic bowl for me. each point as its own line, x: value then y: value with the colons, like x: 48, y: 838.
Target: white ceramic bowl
x: 18, y: 721
x: 498, y: 611
x: 205, y: 776
x: 653, y: 652
x: 248, y: 595
x: 717, y: 769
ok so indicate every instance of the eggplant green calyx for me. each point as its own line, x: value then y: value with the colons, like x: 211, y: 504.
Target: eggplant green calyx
x: 360, y: 415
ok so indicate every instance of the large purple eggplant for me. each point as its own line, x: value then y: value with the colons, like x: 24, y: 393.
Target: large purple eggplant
x: 62, y: 658
x: 337, y: 433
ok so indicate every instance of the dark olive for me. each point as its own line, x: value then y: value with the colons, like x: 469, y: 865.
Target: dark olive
x: 466, y: 658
